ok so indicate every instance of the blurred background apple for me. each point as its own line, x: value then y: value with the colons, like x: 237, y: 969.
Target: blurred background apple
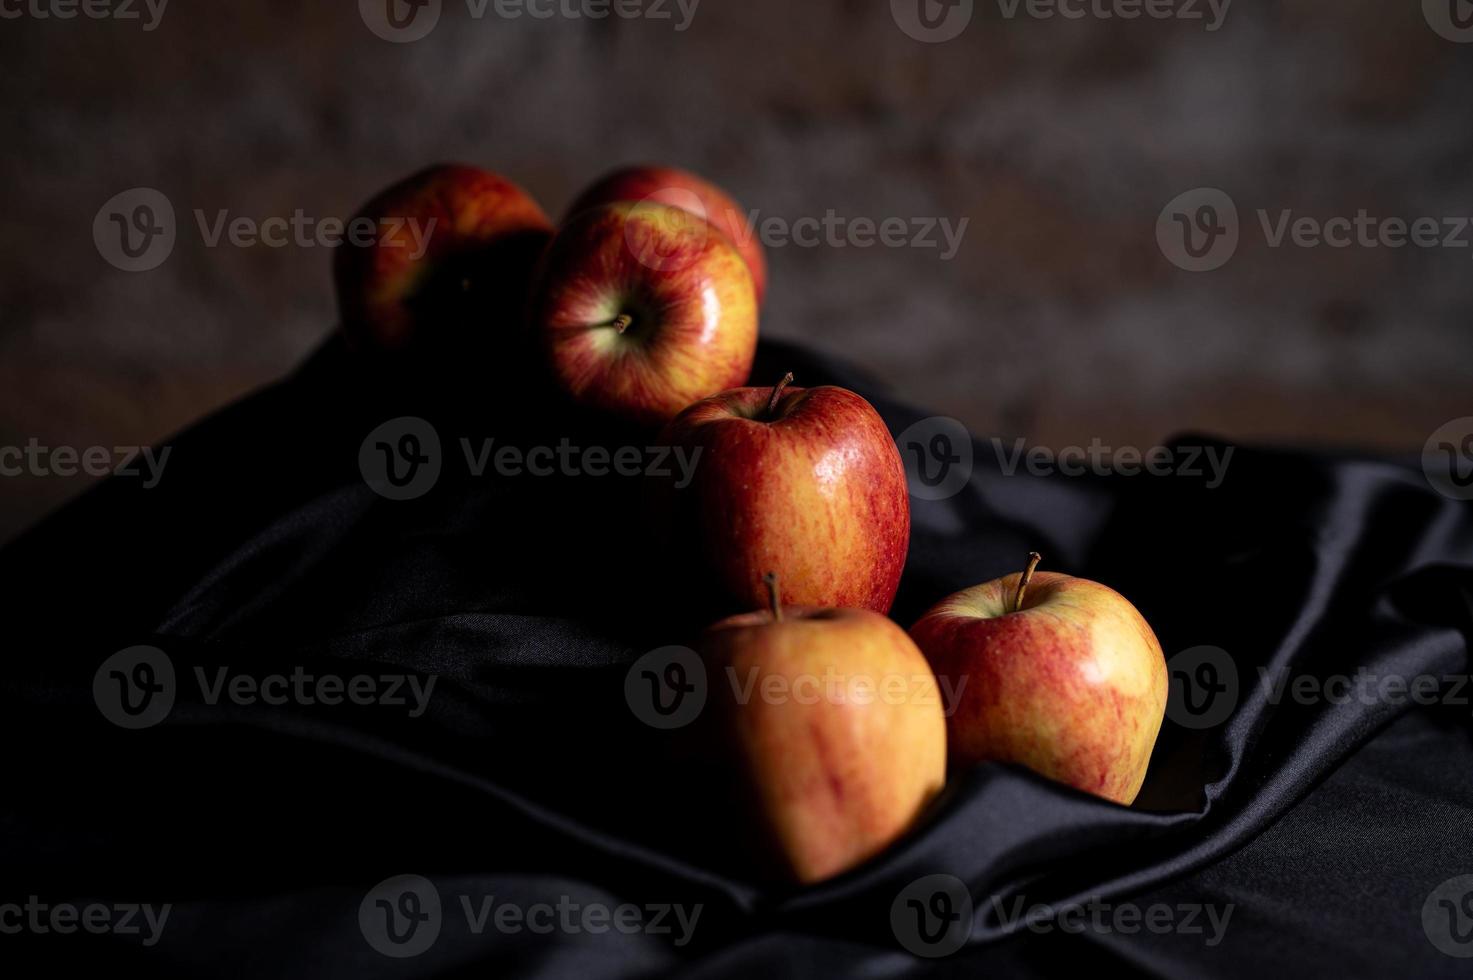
x: 450, y: 265
x: 681, y: 189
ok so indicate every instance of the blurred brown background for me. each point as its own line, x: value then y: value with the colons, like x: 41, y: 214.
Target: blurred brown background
x: 1058, y: 319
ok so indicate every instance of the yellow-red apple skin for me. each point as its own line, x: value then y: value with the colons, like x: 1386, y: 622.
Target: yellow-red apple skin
x: 817, y: 494
x: 680, y: 188
x: 481, y: 219
x: 1074, y: 686
x: 687, y: 290
x: 851, y: 748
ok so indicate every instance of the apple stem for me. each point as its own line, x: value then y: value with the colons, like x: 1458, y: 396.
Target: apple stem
x: 622, y: 322
x: 777, y: 392
x: 1033, y: 559
x: 773, y: 595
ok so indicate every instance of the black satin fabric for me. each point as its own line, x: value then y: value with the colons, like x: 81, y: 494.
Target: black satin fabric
x: 1325, y: 826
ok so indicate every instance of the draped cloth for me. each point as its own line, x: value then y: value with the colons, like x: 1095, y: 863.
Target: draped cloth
x: 1315, y: 833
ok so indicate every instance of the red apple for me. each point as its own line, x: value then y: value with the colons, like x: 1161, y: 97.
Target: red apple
x: 804, y: 482
x: 1057, y: 673
x: 836, y: 723
x: 450, y: 255
x: 641, y: 309
x: 680, y: 189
